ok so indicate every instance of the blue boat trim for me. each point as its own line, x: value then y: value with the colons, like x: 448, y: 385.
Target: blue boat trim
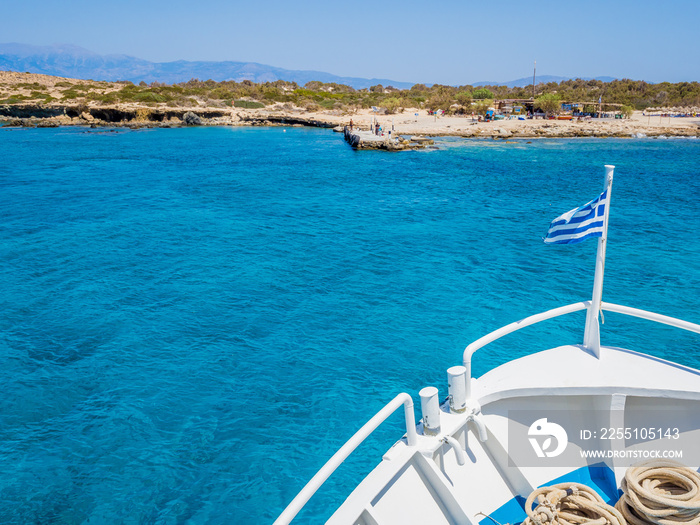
x: 599, y: 477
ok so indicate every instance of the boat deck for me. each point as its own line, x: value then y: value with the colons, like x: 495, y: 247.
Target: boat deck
x: 426, y: 484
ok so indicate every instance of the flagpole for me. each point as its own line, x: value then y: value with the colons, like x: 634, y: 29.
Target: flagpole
x: 591, y: 336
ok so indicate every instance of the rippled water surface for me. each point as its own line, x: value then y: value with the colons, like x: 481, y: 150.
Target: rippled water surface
x: 194, y: 320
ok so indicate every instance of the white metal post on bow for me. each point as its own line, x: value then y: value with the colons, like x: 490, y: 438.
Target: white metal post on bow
x: 591, y: 336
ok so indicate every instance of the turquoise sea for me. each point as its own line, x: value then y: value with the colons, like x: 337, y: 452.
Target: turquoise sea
x: 194, y: 320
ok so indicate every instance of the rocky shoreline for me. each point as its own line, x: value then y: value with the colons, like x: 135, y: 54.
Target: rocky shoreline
x: 39, y: 115
x: 134, y: 117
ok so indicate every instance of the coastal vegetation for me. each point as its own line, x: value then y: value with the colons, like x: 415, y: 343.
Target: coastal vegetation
x: 630, y: 95
x: 548, y: 103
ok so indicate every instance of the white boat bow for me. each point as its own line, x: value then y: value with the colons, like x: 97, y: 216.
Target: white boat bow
x: 581, y: 413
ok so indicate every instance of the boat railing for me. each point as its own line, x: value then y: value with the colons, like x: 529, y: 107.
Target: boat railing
x: 563, y: 310
x: 650, y: 316
x: 404, y: 399
x: 348, y: 448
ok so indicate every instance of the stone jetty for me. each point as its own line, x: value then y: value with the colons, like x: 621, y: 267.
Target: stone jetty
x: 365, y: 139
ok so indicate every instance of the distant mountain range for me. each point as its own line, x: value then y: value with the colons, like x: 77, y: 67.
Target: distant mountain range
x: 76, y: 62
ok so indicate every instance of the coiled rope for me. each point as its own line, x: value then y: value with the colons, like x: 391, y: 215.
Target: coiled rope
x: 570, y: 504
x: 660, y: 492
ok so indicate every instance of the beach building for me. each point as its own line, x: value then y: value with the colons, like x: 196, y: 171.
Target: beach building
x: 514, y: 106
x: 517, y: 107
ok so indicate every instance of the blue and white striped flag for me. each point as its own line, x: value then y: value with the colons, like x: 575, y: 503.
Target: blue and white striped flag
x: 579, y: 224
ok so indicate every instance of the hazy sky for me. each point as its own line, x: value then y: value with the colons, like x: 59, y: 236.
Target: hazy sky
x: 450, y: 42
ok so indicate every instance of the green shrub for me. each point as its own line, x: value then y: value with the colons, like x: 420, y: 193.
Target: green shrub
x: 392, y: 104
x: 69, y: 94
x: 33, y: 86
x: 79, y: 87
x: 326, y: 104
x: 481, y: 107
x: 170, y: 89
x: 549, y: 103
x: 464, y: 98
x: 41, y: 96
x: 439, y: 101
x: 107, y: 98
x: 14, y: 99
x: 248, y: 104
x: 627, y: 111
x: 129, y: 89
x: 313, y: 85
x: 481, y: 94
x: 149, y: 96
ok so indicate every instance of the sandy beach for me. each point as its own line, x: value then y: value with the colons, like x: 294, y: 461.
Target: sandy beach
x: 414, y: 121
x: 424, y: 124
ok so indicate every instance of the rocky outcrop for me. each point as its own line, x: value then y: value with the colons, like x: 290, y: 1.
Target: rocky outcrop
x: 367, y: 140
x: 191, y: 119
x: 31, y: 110
x: 47, y: 123
x: 104, y: 114
x: 272, y: 119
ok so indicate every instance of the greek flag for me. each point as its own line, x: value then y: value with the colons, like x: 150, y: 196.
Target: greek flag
x: 579, y: 224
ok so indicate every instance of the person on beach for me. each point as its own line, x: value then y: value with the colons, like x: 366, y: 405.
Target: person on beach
x: 350, y: 124
x: 376, y: 128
